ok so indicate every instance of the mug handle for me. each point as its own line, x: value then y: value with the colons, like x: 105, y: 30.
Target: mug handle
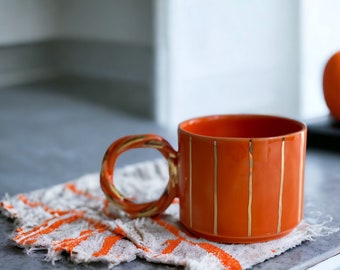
x: 106, y: 174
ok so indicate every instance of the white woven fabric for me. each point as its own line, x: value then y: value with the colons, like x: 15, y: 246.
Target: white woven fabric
x: 75, y: 217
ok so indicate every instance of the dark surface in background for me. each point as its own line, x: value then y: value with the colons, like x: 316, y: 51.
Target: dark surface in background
x: 48, y: 136
x: 324, y: 133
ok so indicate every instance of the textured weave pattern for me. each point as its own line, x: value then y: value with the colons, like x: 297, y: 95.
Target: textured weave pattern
x: 75, y: 217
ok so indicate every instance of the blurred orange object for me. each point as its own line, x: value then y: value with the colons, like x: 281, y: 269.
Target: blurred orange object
x: 331, y: 85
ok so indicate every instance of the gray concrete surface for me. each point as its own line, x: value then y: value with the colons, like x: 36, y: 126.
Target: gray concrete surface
x: 48, y: 137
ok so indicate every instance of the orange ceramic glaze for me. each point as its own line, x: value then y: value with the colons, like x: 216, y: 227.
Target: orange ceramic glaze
x: 106, y: 174
x: 239, y: 178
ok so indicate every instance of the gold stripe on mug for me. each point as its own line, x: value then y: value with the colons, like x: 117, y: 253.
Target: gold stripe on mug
x: 281, y: 184
x: 190, y: 181
x: 250, y: 186
x: 215, y: 188
x: 302, y: 145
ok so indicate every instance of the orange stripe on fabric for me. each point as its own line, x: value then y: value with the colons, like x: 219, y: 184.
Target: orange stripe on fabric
x: 144, y: 248
x: 70, y: 243
x: 37, y: 228
x: 101, y: 227
x: 30, y: 232
x: 109, y: 241
x: 172, y: 244
x: 27, y: 202
x: 226, y: 259
x: 23, y: 234
x: 120, y: 231
x: 97, y: 224
x: 171, y: 228
x: 30, y: 239
x: 72, y: 187
x: 6, y: 205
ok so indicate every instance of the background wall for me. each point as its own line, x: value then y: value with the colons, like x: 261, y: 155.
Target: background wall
x: 230, y: 57
x: 25, y: 26
x: 116, y: 37
x: 179, y: 58
x: 259, y: 56
x: 103, y: 48
x: 126, y: 21
x: 320, y: 39
x: 28, y: 21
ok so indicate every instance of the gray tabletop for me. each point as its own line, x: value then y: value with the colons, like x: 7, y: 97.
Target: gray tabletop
x: 48, y: 137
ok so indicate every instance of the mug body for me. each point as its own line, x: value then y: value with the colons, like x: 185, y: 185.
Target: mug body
x: 241, y: 177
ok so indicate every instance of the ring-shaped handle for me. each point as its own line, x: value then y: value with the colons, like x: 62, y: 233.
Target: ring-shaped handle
x: 112, y: 193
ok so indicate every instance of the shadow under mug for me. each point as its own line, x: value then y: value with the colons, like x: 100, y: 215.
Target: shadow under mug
x: 239, y: 178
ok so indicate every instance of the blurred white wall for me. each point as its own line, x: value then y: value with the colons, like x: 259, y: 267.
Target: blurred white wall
x: 320, y: 39
x: 225, y: 56
x: 228, y: 57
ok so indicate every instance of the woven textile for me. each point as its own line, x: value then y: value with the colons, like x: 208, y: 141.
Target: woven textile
x: 75, y: 217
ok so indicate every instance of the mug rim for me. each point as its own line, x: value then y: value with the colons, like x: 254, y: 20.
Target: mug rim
x: 301, y: 124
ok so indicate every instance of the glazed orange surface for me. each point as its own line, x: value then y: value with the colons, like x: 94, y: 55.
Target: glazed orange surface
x: 239, y: 178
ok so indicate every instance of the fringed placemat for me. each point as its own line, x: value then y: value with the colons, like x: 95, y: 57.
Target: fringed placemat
x: 76, y: 218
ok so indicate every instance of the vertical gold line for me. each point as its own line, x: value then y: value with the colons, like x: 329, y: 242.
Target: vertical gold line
x: 250, y: 186
x: 215, y: 188
x: 281, y: 184
x: 302, y: 143
x: 190, y: 181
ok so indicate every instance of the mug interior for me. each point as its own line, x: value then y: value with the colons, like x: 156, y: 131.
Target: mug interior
x: 241, y: 126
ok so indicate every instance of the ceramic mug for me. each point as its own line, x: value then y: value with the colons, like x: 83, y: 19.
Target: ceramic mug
x: 239, y: 178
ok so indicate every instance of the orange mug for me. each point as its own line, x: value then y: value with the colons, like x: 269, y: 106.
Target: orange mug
x: 239, y: 178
